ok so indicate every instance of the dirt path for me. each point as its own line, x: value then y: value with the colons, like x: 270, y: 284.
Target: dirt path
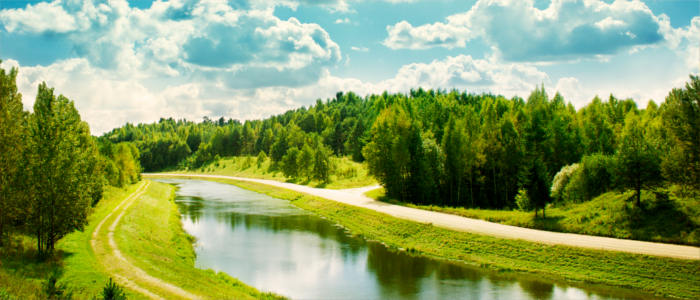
x: 124, y: 272
x: 354, y: 197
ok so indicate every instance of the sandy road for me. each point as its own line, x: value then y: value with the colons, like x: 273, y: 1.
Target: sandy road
x: 119, y: 267
x: 356, y: 198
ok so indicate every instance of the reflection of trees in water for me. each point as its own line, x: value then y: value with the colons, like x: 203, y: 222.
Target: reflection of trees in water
x: 190, y: 206
x: 350, y: 245
x: 537, y: 289
x: 398, y: 271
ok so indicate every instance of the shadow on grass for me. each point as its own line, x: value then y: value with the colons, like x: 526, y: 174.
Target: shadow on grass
x: 26, y: 274
x: 661, y: 219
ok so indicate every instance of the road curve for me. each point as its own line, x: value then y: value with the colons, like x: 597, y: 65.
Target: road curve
x: 127, y: 273
x: 356, y: 198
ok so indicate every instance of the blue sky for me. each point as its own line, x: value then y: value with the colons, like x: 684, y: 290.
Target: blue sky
x: 136, y: 61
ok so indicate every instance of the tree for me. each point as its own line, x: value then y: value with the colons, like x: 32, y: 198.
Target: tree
x: 62, y: 169
x: 682, y: 114
x: 290, y: 166
x: 638, y: 160
x: 305, y: 162
x: 13, y: 133
x: 322, y: 162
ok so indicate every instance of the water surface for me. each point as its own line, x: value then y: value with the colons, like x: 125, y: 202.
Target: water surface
x: 274, y: 246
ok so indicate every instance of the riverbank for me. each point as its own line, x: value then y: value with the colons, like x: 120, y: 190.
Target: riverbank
x: 149, y: 236
x: 665, y: 277
x: 344, y: 174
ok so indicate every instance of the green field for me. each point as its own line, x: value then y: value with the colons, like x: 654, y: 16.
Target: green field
x: 657, y: 276
x: 609, y: 215
x: 344, y: 174
x: 150, y: 236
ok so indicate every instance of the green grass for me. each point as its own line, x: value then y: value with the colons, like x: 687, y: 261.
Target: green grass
x: 23, y: 276
x: 345, y: 174
x: 649, y: 275
x: 151, y: 236
x: 672, y: 220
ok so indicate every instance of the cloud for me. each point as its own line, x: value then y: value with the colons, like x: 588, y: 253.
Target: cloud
x: 342, y: 21
x: 212, y: 40
x: 521, y: 32
x: 464, y: 72
x: 359, y: 49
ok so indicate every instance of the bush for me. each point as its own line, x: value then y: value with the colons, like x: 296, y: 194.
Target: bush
x: 584, y: 181
x: 561, y: 181
x: 113, y: 291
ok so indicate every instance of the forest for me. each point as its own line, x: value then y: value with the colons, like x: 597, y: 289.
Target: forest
x: 455, y: 148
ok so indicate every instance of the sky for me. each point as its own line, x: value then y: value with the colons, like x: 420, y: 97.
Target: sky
x: 137, y: 61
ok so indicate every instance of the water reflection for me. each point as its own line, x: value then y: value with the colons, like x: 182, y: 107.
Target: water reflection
x: 274, y: 246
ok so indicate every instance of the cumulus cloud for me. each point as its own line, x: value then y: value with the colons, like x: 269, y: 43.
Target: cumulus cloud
x: 465, y: 72
x: 210, y: 39
x: 521, y: 32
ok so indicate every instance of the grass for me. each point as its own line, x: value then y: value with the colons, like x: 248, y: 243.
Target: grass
x: 22, y: 276
x: 345, y: 173
x: 670, y: 220
x: 648, y: 275
x: 150, y: 236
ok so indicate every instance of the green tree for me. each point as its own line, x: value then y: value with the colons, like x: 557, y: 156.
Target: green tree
x: 13, y: 133
x: 305, y: 162
x: 63, y: 160
x: 322, y: 162
x: 290, y: 167
x: 638, y: 160
x: 682, y: 114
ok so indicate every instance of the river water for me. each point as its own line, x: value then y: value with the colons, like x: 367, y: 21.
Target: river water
x: 274, y: 246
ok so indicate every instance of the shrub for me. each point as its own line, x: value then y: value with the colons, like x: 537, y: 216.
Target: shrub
x: 113, y: 291
x: 561, y: 181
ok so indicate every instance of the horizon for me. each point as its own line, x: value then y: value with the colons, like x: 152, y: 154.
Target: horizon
x: 140, y: 61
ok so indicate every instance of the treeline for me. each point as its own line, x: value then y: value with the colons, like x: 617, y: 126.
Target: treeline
x: 437, y: 148
x: 51, y: 168
x: 455, y: 148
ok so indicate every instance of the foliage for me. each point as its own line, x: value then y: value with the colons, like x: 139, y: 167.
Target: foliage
x: 63, y: 164
x: 638, y: 160
x: 439, y: 147
x: 522, y: 200
x: 681, y: 112
x: 561, y: 181
x: 13, y: 132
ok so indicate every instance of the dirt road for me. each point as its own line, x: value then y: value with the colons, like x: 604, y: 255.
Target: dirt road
x: 356, y: 198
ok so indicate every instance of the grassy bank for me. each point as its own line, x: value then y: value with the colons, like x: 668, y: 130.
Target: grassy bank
x: 149, y: 235
x: 651, y: 275
x: 345, y: 173
x: 672, y: 220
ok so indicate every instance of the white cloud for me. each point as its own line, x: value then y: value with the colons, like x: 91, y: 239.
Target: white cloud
x: 464, y: 72
x: 522, y: 32
x: 42, y: 17
x: 209, y: 39
x: 359, y: 49
x: 342, y: 21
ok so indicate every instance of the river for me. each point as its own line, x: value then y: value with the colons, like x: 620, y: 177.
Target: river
x: 274, y: 246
